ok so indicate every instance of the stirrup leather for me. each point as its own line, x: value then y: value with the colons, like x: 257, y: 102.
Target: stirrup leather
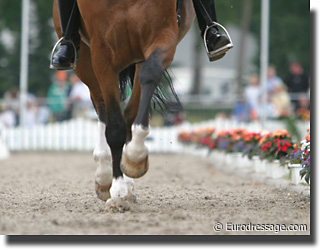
x: 221, y: 50
x: 73, y: 65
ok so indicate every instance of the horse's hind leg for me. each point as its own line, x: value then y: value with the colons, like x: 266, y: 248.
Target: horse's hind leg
x: 131, y: 110
x: 135, y: 161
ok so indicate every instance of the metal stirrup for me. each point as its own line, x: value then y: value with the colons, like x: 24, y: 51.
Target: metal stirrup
x: 62, y: 39
x: 218, y: 51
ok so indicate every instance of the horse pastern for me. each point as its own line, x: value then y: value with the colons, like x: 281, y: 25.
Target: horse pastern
x: 119, y: 188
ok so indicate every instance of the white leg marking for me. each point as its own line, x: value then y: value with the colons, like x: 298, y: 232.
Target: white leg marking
x: 136, y: 150
x: 119, y: 189
x: 101, y: 154
x: 130, y: 184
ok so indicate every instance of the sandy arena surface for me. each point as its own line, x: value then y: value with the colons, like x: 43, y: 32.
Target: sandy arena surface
x: 53, y: 193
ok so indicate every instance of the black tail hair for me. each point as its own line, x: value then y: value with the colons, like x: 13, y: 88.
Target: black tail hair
x: 126, y: 78
x: 162, y: 101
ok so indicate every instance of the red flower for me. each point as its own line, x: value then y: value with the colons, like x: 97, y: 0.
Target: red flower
x: 205, y: 140
x: 211, y: 145
x: 266, y: 146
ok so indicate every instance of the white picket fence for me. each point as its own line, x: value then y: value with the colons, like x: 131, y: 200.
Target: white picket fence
x: 78, y: 135
x: 81, y: 135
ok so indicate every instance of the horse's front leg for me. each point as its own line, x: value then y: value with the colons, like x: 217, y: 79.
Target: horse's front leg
x: 103, y: 175
x: 112, y: 133
x: 107, y: 186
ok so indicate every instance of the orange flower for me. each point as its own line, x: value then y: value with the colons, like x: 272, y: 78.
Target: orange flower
x: 265, y: 137
x: 308, y: 137
x: 280, y: 133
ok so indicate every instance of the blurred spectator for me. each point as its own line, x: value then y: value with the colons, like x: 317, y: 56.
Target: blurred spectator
x: 31, y: 112
x: 297, y: 82
x: 79, y: 98
x: 280, y: 100
x: 43, y: 114
x: 12, y: 101
x: 303, y: 107
x: 242, y: 111
x: 273, y: 80
x: 252, y: 94
x: 7, y: 116
x: 57, y: 96
x: 303, y: 101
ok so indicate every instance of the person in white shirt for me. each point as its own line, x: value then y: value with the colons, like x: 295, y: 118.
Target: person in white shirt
x: 79, y: 98
x: 252, y: 94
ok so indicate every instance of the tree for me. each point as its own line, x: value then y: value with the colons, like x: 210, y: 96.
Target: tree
x: 41, y: 42
x: 289, y: 33
x: 289, y: 29
x: 289, y: 37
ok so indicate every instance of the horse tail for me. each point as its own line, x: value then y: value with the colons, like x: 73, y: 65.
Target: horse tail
x: 163, y: 100
x: 126, y: 78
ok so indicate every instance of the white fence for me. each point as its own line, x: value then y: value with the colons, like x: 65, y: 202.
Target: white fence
x: 78, y: 135
x: 81, y: 135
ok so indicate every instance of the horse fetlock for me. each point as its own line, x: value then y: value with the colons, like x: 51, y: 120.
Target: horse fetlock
x: 103, y: 175
x: 119, y: 188
x: 100, y: 156
x: 136, y: 150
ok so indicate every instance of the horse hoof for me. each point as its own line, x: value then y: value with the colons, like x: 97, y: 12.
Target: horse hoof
x: 118, y: 205
x: 133, y: 169
x: 103, y: 192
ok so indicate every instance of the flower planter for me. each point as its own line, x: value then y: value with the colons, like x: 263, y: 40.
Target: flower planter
x: 241, y: 161
x: 230, y: 160
x: 275, y: 170
x: 201, y: 152
x: 247, y: 163
x: 295, y: 174
x: 217, y: 159
x: 4, y: 152
x: 237, y: 160
x: 259, y: 166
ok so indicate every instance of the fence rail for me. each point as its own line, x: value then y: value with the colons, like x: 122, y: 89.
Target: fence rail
x: 81, y: 135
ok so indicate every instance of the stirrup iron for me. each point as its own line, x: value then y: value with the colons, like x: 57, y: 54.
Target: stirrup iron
x: 73, y: 65
x: 221, y: 50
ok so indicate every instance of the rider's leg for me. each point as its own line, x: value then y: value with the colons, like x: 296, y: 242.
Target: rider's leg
x: 70, y: 22
x: 218, y: 44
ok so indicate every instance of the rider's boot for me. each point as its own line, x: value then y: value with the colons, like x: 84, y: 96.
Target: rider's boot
x: 65, y: 57
x: 216, y: 44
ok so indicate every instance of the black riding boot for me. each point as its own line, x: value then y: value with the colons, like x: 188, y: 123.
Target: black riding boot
x: 69, y: 14
x: 216, y: 44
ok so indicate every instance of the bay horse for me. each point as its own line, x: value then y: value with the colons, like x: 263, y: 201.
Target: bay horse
x: 118, y: 35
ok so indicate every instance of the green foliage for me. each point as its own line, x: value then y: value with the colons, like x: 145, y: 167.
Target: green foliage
x: 289, y: 33
x: 289, y: 29
x: 41, y: 43
x: 289, y: 37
